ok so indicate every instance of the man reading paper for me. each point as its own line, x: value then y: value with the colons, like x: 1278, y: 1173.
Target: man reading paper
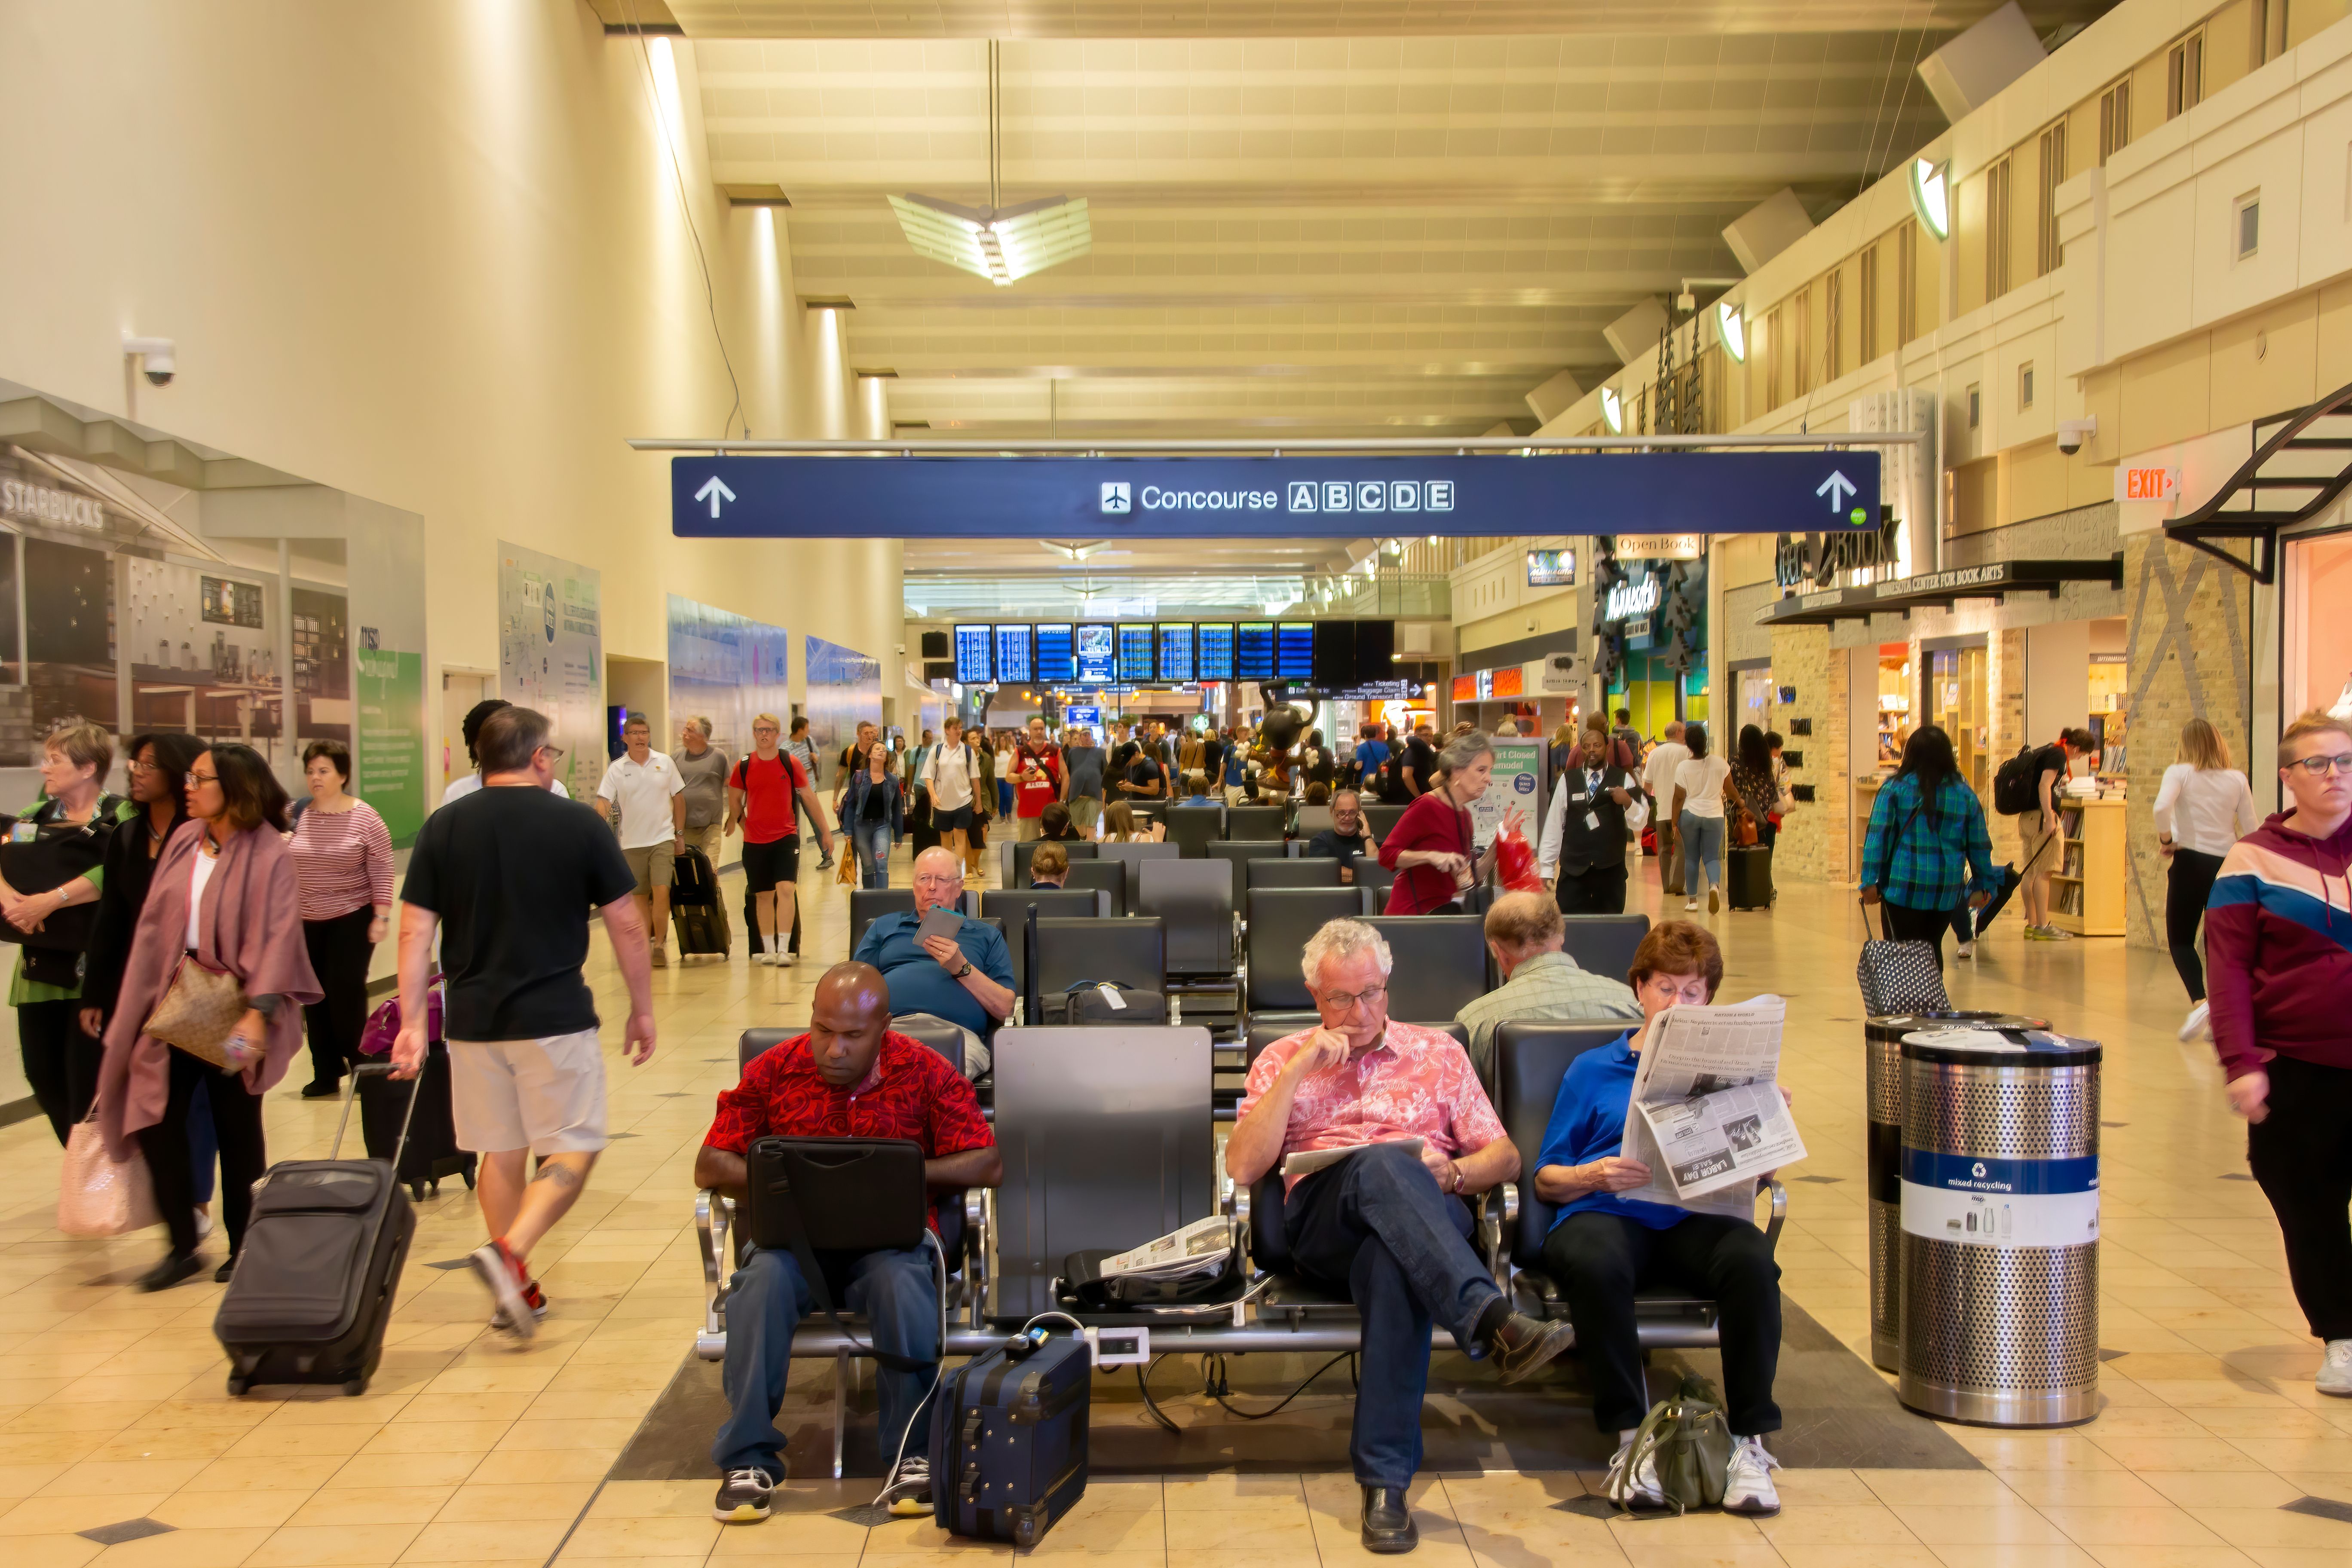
x: 1604, y: 1247
x: 1387, y: 1223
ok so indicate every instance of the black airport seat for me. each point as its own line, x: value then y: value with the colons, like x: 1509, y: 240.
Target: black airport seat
x: 1193, y: 828
x: 1195, y: 898
x: 1260, y: 824
x: 1102, y: 877
x: 1280, y: 921
x: 1604, y: 945
x: 868, y: 904
x: 1006, y: 905
x: 1289, y: 873
x: 1440, y: 964
x: 1133, y: 855
x: 1381, y: 819
x: 1311, y: 820
x: 1237, y: 858
x: 1376, y: 880
x: 1530, y: 1059
x: 1017, y: 874
x: 1134, y: 952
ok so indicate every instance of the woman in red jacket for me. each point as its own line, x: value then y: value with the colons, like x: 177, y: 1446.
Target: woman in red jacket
x: 2278, y: 959
x: 1432, y: 848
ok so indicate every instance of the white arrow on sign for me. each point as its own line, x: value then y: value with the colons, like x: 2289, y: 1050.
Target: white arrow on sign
x: 714, y: 491
x: 1837, y: 487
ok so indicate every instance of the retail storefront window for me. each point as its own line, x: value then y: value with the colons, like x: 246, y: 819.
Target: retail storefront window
x: 2317, y: 650
x: 1894, y: 701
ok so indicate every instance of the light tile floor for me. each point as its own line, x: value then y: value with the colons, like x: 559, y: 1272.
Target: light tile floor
x: 467, y: 1450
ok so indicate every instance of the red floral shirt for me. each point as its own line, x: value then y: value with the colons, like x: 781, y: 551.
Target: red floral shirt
x: 1416, y: 1083
x: 912, y: 1092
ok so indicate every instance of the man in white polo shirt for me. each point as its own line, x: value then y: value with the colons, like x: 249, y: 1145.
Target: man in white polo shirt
x: 644, y: 787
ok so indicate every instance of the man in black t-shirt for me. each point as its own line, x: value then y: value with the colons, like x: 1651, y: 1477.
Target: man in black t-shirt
x: 1347, y: 839
x: 1145, y: 779
x: 2041, y: 835
x: 1411, y: 774
x: 507, y: 875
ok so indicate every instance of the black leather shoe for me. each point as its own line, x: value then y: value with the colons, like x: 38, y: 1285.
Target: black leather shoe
x: 323, y: 1091
x: 220, y: 1275
x: 1523, y: 1344
x: 174, y: 1268
x: 1388, y: 1523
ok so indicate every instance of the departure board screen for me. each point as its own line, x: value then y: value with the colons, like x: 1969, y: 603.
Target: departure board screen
x: 1216, y: 643
x: 1015, y: 654
x: 971, y: 651
x: 1135, y: 654
x: 1057, y: 655
x: 1294, y: 650
x: 1176, y: 652
x: 1253, y: 651
x: 1097, y: 665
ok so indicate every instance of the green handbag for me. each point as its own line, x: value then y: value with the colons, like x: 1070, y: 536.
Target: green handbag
x: 1686, y: 1438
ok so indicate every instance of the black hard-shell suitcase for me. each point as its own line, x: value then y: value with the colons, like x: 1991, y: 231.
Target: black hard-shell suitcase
x: 431, y: 1151
x: 316, y: 1277
x: 1009, y: 1441
x: 1748, y: 878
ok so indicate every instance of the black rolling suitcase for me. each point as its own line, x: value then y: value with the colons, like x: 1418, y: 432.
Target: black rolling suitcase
x: 1009, y: 1440
x: 430, y: 1152
x: 1748, y: 878
x: 320, y: 1264
x: 696, y: 910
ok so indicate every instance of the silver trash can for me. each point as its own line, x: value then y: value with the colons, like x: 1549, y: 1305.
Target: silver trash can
x: 2000, y: 1246
x: 1882, y: 1128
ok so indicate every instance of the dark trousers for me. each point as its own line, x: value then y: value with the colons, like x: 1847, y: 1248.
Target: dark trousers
x: 1376, y: 1223
x: 1600, y: 1259
x: 1595, y: 891
x: 2189, y: 884
x: 60, y: 1061
x: 237, y: 1123
x: 340, y: 951
x: 899, y: 1298
x: 1903, y: 924
x: 2302, y: 1155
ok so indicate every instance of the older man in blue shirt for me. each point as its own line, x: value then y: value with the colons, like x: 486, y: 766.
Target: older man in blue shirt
x: 966, y: 980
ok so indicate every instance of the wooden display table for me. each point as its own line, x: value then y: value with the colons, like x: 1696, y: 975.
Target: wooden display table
x: 2087, y: 892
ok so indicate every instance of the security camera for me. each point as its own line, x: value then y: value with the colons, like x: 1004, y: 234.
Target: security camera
x: 155, y: 356
x: 2072, y: 433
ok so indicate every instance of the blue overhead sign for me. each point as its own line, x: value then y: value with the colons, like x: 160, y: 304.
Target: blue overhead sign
x: 1338, y: 497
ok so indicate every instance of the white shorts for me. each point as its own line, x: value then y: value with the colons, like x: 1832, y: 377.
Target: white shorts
x: 545, y: 1095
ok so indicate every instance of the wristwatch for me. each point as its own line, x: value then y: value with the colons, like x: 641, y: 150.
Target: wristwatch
x: 960, y: 973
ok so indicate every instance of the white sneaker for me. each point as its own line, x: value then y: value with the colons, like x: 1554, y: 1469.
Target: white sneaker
x: 1965, y: 949
x: 1643, y: 1491
x: 1689, y: 905
x: 2193, y: 1026
x: 1747, y: 1479
x: 2336, y: 1370
x: 763, y: 957
x: 203, y: 1225
x: 780, y: 960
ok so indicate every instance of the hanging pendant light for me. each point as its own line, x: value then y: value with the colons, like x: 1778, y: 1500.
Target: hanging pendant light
x: 996, y: 242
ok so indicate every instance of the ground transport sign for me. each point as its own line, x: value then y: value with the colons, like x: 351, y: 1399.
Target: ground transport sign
x: 861, y: 497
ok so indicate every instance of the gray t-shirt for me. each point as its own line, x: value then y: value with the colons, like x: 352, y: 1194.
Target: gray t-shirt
x: 706, y: 785
x: 1085, y: 771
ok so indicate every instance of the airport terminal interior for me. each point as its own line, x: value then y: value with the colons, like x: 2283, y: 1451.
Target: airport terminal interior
x: 1184, y: 408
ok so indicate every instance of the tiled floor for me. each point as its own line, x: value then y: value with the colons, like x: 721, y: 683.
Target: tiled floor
x: 467, y: 1450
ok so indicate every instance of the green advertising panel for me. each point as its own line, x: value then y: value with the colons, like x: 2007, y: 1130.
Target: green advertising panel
x: 391, y: 761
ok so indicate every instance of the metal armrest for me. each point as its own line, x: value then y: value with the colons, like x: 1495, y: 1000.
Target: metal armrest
x: 1234, y: 1204
x: 1780, y: 1213
x: 978, y: 1212
x: 714, y: 1216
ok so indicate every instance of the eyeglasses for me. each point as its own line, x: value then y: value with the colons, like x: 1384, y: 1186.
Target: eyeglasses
x: 1341, y: 1001
x: 2320, y: 766
x: 553, y: 751
x: 142, y: 767
x: 204, y: 778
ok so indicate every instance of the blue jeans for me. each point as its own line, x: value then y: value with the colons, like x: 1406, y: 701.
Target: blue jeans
x: 872, y: 842
x: 1702, y: 848
x: 899, y: 1298
x: 1377, y: 1223
x: 204, y: 1144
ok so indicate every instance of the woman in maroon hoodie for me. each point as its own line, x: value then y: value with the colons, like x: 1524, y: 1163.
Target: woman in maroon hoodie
x: 2278, y: 953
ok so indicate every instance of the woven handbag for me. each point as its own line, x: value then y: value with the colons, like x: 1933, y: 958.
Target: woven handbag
x: 99, y: 1195
x: 199, y: 1012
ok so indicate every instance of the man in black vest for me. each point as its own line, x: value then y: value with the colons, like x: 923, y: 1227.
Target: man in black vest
x: 1595, y: 809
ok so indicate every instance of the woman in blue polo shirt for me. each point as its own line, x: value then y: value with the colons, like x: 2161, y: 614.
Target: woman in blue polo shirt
x: 1603, y: 1247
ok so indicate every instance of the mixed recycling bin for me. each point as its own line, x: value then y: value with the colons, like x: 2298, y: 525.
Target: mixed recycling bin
x: 1883, y: 1108
x: 1999, y: 1244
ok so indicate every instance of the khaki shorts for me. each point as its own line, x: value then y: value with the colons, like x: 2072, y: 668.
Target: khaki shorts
x: 654, y: 865
x: 2032, y: 833
x: 710, y: 840
x: 1085, y: 810
x: 545, y: 1095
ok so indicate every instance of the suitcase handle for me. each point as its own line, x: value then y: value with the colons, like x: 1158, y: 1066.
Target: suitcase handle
x: 416, y: 1087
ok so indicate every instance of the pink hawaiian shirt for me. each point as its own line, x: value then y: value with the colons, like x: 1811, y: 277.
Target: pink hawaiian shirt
x: 1416, y: 1083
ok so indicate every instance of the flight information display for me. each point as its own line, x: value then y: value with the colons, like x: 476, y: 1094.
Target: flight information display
x: 1294, y: 650
x: 1216, y: 643
x: 1058, y: 654
x: 1096, y: 665
x: 1176, y: 652
x: 1253, y: 651
x: 971, y: 650
x: 1135, y: 654
x: 1015, y: 654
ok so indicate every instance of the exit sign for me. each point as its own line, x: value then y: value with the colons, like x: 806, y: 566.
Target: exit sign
x: 2151, y: 484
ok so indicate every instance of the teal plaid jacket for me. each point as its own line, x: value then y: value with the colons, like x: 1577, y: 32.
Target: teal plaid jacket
x: 1927, y: 858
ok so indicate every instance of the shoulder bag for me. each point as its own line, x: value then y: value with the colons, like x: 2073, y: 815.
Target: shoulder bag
x: 97, y: 1194
x: 1686, y: 1437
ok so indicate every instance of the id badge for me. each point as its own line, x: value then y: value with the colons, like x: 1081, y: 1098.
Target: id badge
x: 23, y: 833
x: 1592, y: 822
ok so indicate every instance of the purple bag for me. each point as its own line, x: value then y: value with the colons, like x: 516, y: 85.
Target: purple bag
x: 384, y: 1024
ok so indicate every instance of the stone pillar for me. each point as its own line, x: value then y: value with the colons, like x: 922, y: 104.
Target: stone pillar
x: 1814, y: 838
x: 2005, y: 713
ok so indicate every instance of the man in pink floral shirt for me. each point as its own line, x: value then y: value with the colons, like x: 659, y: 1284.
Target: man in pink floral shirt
x: 1384, y: 1224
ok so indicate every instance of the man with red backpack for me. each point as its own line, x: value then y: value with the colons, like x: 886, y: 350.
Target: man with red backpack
x: 1037, y: 780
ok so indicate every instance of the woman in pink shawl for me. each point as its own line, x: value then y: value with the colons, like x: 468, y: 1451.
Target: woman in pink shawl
x: 224, y: 891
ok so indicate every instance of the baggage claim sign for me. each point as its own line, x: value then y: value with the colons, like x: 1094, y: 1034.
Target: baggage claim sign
x: 864, y: 497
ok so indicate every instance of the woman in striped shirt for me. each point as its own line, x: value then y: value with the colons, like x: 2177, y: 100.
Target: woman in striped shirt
x: 342, y: 862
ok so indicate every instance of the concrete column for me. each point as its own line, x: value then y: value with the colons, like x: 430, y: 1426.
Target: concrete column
x: 874, y: 407
x: 289, y: 759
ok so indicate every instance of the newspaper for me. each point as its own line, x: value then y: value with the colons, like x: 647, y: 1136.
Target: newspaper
x: 1196, y: 1252
x: 1707, y: 1115
x: 1308, y: 1160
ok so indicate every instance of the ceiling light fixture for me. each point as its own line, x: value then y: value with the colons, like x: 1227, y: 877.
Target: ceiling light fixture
x: 1733, y: 331
x: 1612, y: 411
x: 996, y: 242
x: 1931, y: 195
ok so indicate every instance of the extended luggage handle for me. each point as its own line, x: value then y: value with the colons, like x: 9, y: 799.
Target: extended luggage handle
x: 416, y: 1087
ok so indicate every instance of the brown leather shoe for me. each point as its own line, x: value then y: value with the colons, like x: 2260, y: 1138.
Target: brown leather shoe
x: 1523, y: 1344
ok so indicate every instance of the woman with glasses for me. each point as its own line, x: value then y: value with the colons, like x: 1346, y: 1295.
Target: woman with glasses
x: 225, y: 898
x: 2278, y: 958
x: 1432, y: 848
x: 2203, y: 806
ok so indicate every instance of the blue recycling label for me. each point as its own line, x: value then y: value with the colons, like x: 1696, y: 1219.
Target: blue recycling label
x: 1973, y: 1173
